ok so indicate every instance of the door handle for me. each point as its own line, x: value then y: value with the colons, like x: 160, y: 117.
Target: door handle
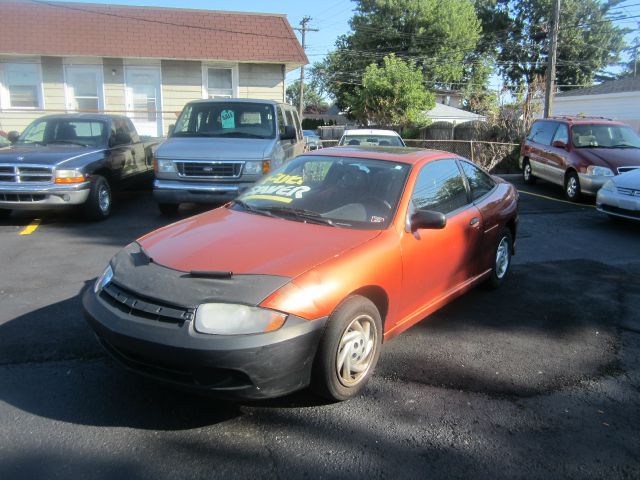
x: 475, y: 222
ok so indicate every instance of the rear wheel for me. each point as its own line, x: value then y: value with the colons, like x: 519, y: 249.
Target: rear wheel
x: 572, y: 187
x: 527, y: 176
x: 349, y: 349
x: 501, y: 260
x: 98, y: 204
x: 4, y: 212
x: 168, y: 208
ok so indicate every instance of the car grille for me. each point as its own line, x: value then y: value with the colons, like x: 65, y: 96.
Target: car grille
x: 134, y: 305
x: 209, y: 169
x: 26, y: 174
x: 632, y: 192
x: 627, y: 169
x: 21, y: 197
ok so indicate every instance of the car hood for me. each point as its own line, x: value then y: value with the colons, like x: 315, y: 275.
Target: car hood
x: 612, y: 157
x: 211, y: 148
x: 628, y: 180
x: 246, y: 243
x: 43, y: 155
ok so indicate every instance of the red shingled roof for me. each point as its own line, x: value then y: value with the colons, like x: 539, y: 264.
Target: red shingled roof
x: 69, y: 29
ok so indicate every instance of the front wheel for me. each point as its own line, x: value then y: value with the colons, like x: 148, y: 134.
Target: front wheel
x: 349, y: 349
x: 98, y: 204
x: 572, y: 187
x: 501, y: 260
x: 527, y: 176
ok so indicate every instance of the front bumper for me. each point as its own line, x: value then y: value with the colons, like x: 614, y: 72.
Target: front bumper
x: 169, y: 191
x: 33, y: 197
x: 614, y: 203
x: 232, y: 366
x: 590, y: 184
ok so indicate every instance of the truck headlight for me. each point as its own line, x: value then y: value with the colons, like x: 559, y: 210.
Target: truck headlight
x: 69, y: 176
x: 599, y: 171
x: 234, y: 319
x: 257, y: 168
x: 165, y: 166
x: 103, y: 280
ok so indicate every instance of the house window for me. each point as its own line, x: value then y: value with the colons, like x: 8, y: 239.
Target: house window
x: 219, y: 82
x: 22, y: 85
x: 84, y: 88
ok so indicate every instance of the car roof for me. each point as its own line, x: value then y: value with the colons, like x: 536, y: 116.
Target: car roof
x: 371, y: 131
x: 579, y: 119
x: 239, y: 100
x: 407, y: 155
x: 81, y: 116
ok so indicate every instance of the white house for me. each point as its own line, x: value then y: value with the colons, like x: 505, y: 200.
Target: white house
x: 616, y: 99
x: 445, y: 113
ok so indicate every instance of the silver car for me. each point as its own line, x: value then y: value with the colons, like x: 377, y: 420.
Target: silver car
x: 620, y: 196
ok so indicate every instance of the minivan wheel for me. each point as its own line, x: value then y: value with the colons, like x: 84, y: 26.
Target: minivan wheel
x: 349, y: 349
x: 98, y: 204
x: 572, y: 187
x: 527, y: 176
x: 501, y: 260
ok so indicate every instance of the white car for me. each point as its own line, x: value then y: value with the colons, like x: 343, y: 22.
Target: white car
x: 371, y: 138
x: 620, y: 196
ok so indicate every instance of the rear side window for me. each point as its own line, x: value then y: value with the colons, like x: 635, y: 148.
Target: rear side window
x: 440, y: 187
x: 562, y: 134
x: 542, y: 132
x: 479, y: 182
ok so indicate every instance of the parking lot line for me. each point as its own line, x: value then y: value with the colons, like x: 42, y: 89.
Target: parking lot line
x: 29, y: 229
x: 556, y: 199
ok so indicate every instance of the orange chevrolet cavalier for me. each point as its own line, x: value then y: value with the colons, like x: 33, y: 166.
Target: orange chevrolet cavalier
x: 300, y: 279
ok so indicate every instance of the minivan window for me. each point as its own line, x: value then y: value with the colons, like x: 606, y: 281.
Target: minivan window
x: 562, y: 134
x: 226, y: 119
x: 542, y: 132
x: 604, y: 136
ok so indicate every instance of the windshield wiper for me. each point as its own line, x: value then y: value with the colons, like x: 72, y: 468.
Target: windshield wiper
x: 239, y: 135
x: 192, y: 134
x: 624, y: 145
x: 72, y: 142
x: 306, y: 215
x: 252, y: 209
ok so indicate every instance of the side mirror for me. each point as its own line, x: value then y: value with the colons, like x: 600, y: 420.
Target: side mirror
x: 289, y: 133
x: 121, y: 138
x: 428, y: 219
x: 13, y: 136
x: 559, y: 144
x: 172, y: 127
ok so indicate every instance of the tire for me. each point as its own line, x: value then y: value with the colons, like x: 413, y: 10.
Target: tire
x: 168, y: 208
x: 98, y: 205
x: 5, y: 212
x: 353, y: 333
x: 527, y: 176
x: 501, y: 266
x: 572, y: 187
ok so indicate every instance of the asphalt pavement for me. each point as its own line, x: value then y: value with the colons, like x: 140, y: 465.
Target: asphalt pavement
x: 538, y: 379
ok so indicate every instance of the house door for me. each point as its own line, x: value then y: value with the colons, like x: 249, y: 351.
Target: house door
x: 143, y: 99
x: 84, y: 88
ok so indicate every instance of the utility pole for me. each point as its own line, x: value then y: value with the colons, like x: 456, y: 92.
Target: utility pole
x: 551, y: 61
x: 303, y: 29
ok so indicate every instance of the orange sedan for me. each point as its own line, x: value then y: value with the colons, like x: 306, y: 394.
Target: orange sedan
x: 300, y: 279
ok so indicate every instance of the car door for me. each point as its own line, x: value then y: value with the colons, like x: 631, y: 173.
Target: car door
x: 141, y: 162
x: 538, y: 142
x: 556, y: 157
x: 122, y: 158
x: 436, y: 263
x: 292, y: 151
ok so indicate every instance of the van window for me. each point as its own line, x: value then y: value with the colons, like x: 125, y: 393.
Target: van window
x: 542, y: 132
x: 281, y: 123
x: 291, y: 122
x: 562, y: 134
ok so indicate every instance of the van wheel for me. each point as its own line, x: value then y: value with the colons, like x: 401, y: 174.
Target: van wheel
x: 168, y: 208
x: 98, y: 204
x: 527, y: 176
x: 572, y: 187
x: 349, y: 349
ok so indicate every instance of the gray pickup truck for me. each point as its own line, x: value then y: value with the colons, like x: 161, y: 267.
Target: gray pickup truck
x: 72, y: 159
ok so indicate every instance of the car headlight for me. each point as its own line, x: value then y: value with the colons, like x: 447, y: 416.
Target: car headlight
x: 165, y: 166
x: 257, y: 168
x: 69, y: 176
x: 104, y: 279
x: 234, y: 319
x: 609, y: 186
x: 599, y: 171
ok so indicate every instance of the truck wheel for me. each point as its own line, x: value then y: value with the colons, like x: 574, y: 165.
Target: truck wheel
x: 4, y: 212
x: 349, y: 349
x: 168, y: 208
x: 98, y: 205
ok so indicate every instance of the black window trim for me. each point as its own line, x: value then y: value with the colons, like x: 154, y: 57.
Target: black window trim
x: 468, y: 184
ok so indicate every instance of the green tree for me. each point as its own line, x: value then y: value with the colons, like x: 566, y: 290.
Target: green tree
x: 313, y: 101
x: 437, y: 35
x: 588, y: 41
x: 393, y: 94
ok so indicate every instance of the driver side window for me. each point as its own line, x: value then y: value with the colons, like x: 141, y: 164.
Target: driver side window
x: 440, y: 187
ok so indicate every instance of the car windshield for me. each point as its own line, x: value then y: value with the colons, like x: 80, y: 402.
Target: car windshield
x: 604, y: 136
x: 337, y: 191
x: 372, y: 140
x: 226, y: 119
x: 64, y: 131
x: 310, y: 133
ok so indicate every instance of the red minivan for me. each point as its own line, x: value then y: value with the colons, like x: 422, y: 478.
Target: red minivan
x: 578, y: 153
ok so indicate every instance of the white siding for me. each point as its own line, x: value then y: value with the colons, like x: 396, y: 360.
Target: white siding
x: 624, y: 107
x: 181, y: 83
x: 261, y: 81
